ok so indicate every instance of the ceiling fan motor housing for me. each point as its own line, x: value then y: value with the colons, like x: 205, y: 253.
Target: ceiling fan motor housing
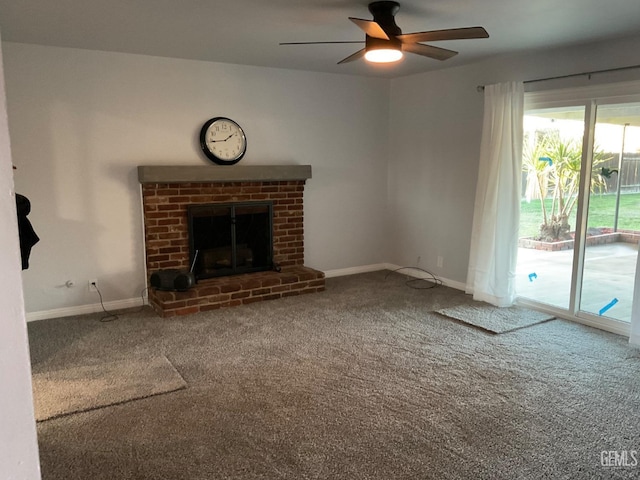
x: 383, y: 14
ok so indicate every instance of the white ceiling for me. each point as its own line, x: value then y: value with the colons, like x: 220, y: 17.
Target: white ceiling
x: 249, y: 31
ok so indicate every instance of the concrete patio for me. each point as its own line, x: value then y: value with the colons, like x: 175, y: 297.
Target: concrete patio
x: 609, y: 274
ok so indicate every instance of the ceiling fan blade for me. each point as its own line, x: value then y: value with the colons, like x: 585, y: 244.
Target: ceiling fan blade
x: 428, y: 51
x: 370, y: 27
x: 318, y: 43
x: 356, y: 56
x: 448, y: 34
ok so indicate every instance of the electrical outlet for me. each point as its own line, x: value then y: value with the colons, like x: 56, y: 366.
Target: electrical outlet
x: 440, y: 261
x: 93, y: 285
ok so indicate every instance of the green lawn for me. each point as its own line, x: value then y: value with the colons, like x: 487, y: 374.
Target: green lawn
x: 601, y: 213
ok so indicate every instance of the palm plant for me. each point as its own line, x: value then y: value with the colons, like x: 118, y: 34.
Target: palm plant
x: 552, y: 167
x: 537, y: 176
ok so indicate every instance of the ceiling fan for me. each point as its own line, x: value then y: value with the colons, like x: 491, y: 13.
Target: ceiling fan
x: 385, y: 42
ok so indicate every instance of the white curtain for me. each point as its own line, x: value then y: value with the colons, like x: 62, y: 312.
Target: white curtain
x: 494, y: 238
x: 634, y: 337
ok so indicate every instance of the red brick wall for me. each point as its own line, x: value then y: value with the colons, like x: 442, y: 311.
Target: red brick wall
x: 166, y: 227
x: 167, y: 245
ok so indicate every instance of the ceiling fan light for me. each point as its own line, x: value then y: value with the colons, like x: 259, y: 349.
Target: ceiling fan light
x: 383, y: 55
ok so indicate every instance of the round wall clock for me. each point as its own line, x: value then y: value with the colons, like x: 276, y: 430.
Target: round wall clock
x: 223, y: 141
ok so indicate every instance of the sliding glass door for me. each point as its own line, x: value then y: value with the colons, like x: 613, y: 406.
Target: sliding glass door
x: 580, y: 211
x: 613, y: 218
x: 552, y: 158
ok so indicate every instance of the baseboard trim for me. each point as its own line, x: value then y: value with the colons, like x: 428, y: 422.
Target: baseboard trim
x: 390, y: 266
x: 343, y: 272
x: 417, y: 273
x: 84, y: 309
x: 137, y: 302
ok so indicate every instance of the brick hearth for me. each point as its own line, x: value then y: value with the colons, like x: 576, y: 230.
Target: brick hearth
x: 167, y: 245
x: 211, y: 294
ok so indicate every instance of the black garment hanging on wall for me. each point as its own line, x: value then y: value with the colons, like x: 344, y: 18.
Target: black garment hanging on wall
x: 28, y: 237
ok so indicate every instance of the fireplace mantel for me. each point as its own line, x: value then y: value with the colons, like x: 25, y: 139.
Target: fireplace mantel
x: 222, y: 174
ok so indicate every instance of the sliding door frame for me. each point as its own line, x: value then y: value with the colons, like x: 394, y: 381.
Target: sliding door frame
x: 590, y: 98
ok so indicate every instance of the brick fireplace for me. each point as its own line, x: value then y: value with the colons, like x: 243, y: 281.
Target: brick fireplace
x: 166, y: 194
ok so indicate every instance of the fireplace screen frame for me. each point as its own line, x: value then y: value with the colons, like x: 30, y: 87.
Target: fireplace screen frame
x: 197, y: 258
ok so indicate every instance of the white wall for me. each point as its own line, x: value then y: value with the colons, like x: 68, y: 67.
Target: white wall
x: 81, y: 121
x: 18, y: 444
x: 435, y: 130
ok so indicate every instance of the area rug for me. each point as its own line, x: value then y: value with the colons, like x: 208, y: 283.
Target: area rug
x: 495, y: 319
x: 81, y: 388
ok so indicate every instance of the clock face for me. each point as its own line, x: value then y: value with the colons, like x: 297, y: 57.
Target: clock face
x: 223, y: 141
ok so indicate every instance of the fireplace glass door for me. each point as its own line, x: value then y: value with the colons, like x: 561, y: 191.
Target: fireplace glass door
x: 230, y: 238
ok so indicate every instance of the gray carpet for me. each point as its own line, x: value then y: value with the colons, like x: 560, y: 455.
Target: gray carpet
x: 78, y: 388
x: 494, y: 319
x: 363, y: 381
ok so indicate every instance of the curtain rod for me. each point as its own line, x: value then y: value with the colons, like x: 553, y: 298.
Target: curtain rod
x: 480, y: 88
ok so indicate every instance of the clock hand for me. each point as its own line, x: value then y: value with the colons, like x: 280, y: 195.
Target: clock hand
x: 224, y: 140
